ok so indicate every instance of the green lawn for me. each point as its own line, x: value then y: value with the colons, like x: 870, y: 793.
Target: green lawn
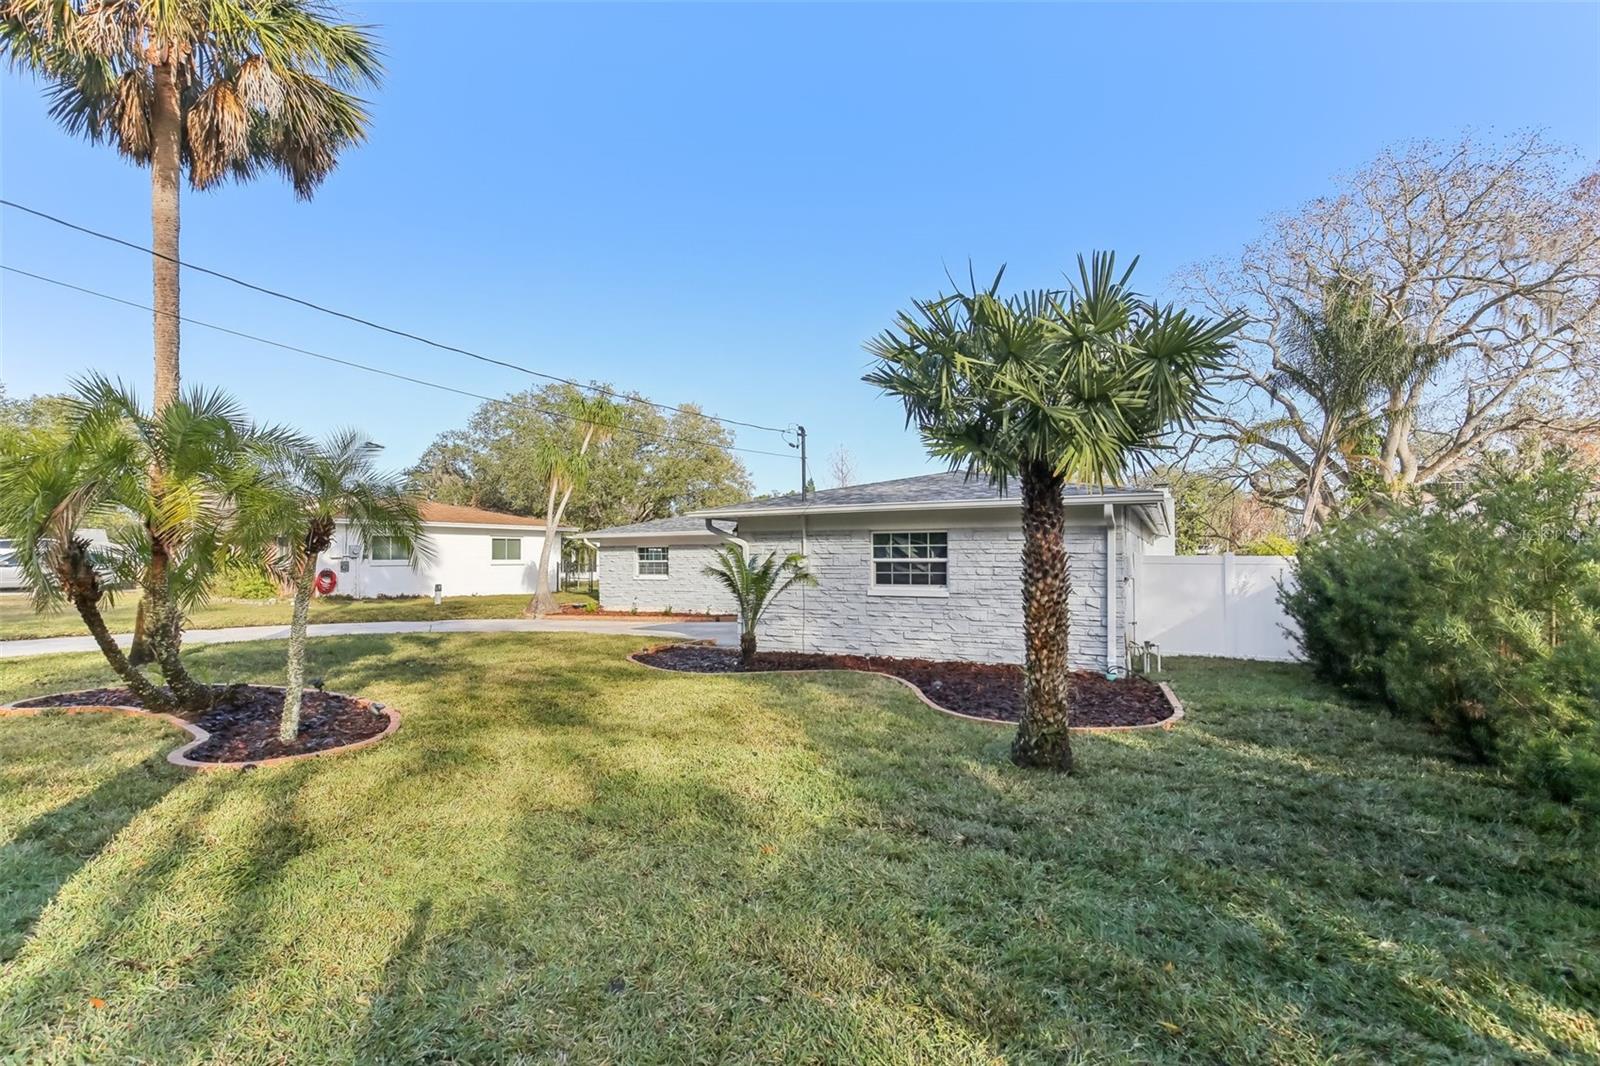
x: 18, y: 619
x: 562, y: 857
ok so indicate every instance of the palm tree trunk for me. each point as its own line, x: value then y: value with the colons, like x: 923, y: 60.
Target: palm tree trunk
x: 165, y: 171
x: 166, y: 163
x: 295, y: 684
x: 747, y: 649
x: 148, y: 693
x: 139, y: 652
x: 164, y: 631
x: 544, y: 600
x: 1042, y: 737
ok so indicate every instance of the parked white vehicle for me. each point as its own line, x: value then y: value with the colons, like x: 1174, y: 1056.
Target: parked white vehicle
x: 10, y: 572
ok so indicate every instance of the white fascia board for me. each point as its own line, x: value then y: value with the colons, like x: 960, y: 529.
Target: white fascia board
x: 678, y: 537
x: 1002, y: 503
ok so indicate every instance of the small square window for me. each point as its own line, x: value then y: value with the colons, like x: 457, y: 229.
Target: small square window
x: 388, y: 550
x: 653, y: 562
x: 910, y: 559
x: 505, y: 549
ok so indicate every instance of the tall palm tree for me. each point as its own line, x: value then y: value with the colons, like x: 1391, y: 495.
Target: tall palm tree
x: 1045, y: 387
x: 755, y: 584
x: 562, y: 461
x: 296, y: 511
x: 210, y: 89
x: 179, y: 474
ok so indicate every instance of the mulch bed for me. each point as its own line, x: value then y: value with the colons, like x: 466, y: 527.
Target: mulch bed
x: 982, y: 690
x: 243, y: 723
x: 575, y: 611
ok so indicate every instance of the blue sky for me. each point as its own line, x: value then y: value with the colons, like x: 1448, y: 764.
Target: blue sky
x: 719, y: 204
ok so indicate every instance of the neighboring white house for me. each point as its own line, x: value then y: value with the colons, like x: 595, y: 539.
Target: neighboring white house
x: 926, y: 566
x: 474, y: 553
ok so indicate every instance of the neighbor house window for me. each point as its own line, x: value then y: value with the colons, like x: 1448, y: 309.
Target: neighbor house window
x: 387, y: 550
x: 653, y: 562
x: 910, y: 558
x: 505, y: 549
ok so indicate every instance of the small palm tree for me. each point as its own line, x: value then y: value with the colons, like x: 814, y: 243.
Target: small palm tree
x: 1081, y: 384
x: 755, y: 585
x: 178, y: 474
x: 562, y: 462
x: 295, y: 512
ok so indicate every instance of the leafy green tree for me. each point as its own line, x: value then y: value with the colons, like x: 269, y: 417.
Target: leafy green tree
x: 1046, y: 387
x: 562, y: 460
x: 30, y: 424
x: 297, y: 510
x: 755, y: 585
x: 653, y: 465
x: 180, y: 473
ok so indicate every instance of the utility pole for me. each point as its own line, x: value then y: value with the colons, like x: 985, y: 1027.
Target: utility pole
x: 805, y: 477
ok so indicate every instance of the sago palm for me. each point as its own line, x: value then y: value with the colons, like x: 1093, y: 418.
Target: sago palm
x: 295, y: 512
x: 755, y: 585
x: 179, y: 475
x: 1048, y: 387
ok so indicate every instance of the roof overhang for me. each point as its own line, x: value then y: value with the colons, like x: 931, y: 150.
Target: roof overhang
x: 999, y: 503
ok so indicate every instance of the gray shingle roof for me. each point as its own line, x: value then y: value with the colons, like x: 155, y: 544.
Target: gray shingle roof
x: 953, y: 487
x: 676, y: 524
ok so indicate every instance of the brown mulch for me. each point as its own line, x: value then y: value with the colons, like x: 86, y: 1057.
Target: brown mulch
x: 243, y: 723
x: 982, y: 690
x: 571, y: 610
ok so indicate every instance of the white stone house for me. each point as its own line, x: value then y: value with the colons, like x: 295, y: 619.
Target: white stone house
x: 926, y: 567
x: 475, y: 553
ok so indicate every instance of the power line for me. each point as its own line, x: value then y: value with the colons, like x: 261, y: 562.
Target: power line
x: 380, y: 326
x: 555, y: 412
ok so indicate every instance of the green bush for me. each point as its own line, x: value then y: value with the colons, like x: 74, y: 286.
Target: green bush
x: 1271, y: 544
x: 1476, y: 611
x: 243, y: 581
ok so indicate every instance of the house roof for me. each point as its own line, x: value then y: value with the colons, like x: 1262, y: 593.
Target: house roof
x: 453, y: 514
x: 924, y: 491
x: 679, y: 524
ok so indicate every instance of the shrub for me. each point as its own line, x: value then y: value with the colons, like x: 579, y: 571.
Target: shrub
x: 244, y: 581
x: 1271, y: 544
x: 1476, y: 611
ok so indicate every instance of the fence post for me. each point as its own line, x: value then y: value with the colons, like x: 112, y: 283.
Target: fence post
x: 1230, y: 643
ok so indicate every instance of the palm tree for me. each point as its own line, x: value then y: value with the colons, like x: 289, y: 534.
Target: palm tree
x: 296, y: 511
x: 563, y: 464
x: 1045, y: 387
x: 755, y: 585
x: 179, y: 475
x: 211, y: 89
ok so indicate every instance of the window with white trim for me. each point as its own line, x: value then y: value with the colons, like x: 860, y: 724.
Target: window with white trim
x: 653, y: 562
x: 505, y: 549
x: 387, y: 550
x: 910, y: 559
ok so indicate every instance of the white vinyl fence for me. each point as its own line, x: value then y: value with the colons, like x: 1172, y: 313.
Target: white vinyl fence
x: 1215, y: 605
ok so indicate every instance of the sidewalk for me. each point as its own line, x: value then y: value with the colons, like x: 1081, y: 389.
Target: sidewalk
x: 723, y: 633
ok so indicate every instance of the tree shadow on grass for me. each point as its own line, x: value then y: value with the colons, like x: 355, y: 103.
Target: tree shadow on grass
x: 49, y: 850
x: 1210, y: 896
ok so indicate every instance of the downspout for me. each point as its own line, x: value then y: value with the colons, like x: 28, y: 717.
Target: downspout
x: 725, y: 536
x: 1111, y: 591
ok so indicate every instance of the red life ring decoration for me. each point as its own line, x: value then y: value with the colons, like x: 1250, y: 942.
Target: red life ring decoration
x: 327, y: 581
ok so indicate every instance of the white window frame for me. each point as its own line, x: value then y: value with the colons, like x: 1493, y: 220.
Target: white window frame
x: 927, y: 591
x: 638, y: 558
x: 375, y: 561
x: 505, y: 562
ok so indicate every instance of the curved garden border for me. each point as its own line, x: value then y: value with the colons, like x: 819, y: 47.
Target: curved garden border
x: 1166, y: 690
x: 179, y: 756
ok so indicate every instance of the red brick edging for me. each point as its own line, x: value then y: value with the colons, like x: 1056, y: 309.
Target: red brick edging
x: 1166, y: 690
x: 180, y: 756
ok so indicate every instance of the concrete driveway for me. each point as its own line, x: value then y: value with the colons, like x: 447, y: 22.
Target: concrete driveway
x: 723, y: 633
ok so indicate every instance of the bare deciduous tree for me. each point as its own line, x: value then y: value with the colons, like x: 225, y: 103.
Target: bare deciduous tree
x: 1487, y: 255
x: 842, y: 468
